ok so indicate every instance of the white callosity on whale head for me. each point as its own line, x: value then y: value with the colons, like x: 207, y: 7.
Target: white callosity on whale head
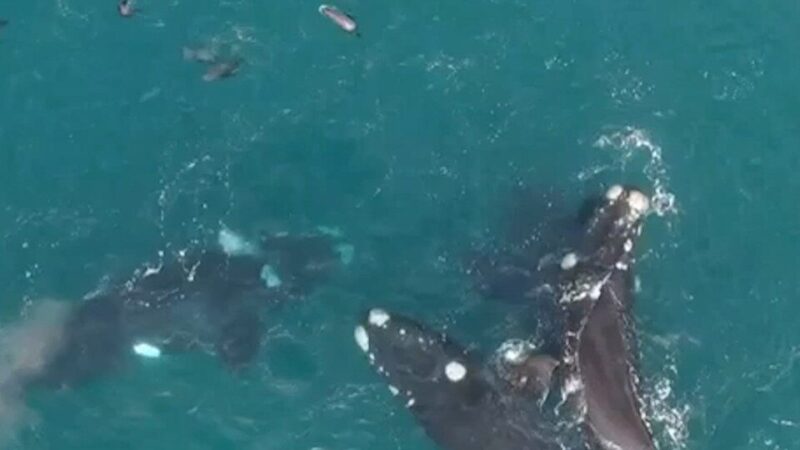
x: 362, y: 338
x: 569, y: 261
x: 613, y: 193
x: 638, y: 204
x: 234, y: 244
x: 455, y: 371
x: 146, y: 350
x: 378, y: 317
x: 627, y: 246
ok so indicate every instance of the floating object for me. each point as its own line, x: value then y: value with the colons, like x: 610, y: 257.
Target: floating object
x: 147, y: 350
x: 342, y: 20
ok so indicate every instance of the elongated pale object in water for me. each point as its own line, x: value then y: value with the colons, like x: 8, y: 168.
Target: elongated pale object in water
x: 341, y: 19
x: 147, y: 350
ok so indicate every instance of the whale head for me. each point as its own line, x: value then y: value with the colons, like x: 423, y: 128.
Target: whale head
x: 447, y: 389
x: 420, y: 364
x: 615, y: 225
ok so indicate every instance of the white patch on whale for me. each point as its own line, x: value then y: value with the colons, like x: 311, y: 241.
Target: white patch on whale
x: 515, y: 351
x: 146, y: 350
x: 614, y: 192
x: 597, y: 289
x: 362, y: 338
x: 638, y: 204
x: 270, y: 277
x: 572, y: 385
x: 455, y: 371
x: 378, y: 317
x: 234, y: 244
x: 569, y: 261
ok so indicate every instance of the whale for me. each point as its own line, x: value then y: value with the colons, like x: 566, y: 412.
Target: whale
x: 598, y: 361
x: 451, y: 391
x: 214, y: 300
x: 589, y: 362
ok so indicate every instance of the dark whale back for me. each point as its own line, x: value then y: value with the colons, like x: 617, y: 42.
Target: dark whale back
x: 607, y: 369
x: 597, y: 298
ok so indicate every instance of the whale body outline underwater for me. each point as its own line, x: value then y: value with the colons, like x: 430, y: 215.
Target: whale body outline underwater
x: 212, y: 299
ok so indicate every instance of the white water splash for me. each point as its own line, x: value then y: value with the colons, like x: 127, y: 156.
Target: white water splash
x: 630, y: 142
x: 669, y: 418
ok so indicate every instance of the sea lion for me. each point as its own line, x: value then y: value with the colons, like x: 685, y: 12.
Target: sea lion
x: 223, y: 69
x: 342, y: 20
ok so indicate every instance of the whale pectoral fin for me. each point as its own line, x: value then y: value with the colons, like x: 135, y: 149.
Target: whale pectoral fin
x: 535, y: 375
x: 525, y: 370
x: 240, y: 339
x: 541, y: 368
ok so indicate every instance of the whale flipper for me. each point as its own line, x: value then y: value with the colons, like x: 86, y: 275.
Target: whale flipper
x: 525, y: 370
x: 240, y: 339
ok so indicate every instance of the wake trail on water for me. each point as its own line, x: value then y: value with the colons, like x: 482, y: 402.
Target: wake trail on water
x: 628, y: 143
x: 25, y: 348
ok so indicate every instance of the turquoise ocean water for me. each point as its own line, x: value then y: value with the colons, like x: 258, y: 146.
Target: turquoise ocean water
x: 409, y: 140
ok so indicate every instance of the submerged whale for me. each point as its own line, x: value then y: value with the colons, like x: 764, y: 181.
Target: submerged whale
x: 457, y: 398
x: 211, y: 300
